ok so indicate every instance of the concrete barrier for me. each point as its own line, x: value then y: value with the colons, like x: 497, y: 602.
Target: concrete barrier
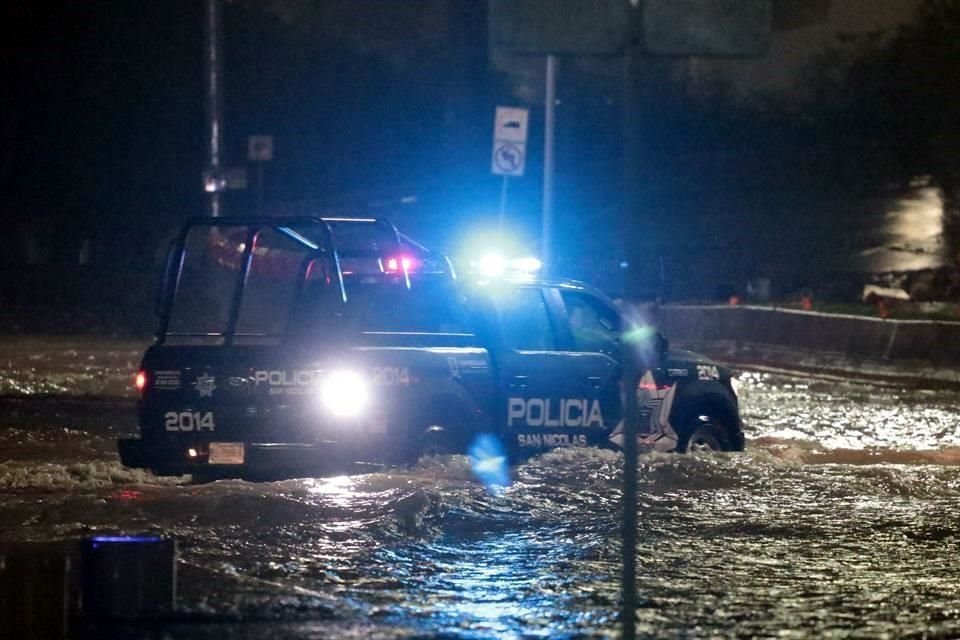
x: 924, y: 349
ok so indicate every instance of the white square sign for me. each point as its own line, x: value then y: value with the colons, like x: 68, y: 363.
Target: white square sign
x: 259, y: 148
x: 510, y: 124
x: 509, y: 141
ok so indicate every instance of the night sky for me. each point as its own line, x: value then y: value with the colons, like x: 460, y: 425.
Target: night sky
x: 102, y: 139
x: 105, y: 125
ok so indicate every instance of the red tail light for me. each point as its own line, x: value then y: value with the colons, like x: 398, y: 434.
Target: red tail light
x: 140, y: 382
x: 399, y: 263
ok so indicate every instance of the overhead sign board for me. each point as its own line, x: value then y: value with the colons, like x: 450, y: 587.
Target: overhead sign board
x: 576, y: 27
x: 794, y: 14
x: 735, y: 28
x: 509, y: 141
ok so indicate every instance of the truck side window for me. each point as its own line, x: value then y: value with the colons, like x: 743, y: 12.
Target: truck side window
x: 524, y: 321
x: 595, y: 326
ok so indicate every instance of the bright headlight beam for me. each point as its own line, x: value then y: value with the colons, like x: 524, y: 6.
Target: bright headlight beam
x: 345, y: 393
x: 492, y: 265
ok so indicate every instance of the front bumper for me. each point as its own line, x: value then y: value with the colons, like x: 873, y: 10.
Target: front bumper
x: 260, y: 459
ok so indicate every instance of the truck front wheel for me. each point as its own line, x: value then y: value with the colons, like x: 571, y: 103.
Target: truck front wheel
x: 703, y: 436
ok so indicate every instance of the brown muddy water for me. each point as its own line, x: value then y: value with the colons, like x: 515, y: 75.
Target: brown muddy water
x: 841, y: 520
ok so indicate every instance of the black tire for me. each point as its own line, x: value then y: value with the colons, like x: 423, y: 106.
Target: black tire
x: 703, y: 436
x: 434, y: 440
x: 442, y: 429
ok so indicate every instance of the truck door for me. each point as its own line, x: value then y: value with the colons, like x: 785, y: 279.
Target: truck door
x: 590, y: 330
x: 535, y: 380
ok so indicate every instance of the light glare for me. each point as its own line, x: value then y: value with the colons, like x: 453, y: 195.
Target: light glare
x: 492, y: 265
x: 489, y: 463
x: 527, y: 264
x: 345, y: 393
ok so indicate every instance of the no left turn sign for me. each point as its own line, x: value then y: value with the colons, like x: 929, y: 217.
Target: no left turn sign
x: 508, y: 158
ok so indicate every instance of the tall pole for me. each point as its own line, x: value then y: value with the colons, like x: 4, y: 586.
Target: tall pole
x: 632, y: 362
x: 550, y: 101
x: 213, y: 67
x: 501, y: 219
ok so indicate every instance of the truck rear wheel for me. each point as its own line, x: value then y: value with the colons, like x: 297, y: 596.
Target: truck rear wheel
x: 439, y: 431
x: 435, y: 441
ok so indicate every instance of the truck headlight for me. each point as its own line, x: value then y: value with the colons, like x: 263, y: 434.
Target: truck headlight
x: 345, y: 393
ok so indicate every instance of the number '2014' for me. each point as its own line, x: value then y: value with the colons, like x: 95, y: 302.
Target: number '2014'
x: 189, y: 421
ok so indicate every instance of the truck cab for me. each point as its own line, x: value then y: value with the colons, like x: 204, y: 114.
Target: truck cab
x: 559, y: 356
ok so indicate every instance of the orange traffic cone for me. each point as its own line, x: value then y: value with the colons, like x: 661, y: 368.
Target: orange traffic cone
x: 882, y: 309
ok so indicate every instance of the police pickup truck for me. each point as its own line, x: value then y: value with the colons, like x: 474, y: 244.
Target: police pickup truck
x: 309, y: 345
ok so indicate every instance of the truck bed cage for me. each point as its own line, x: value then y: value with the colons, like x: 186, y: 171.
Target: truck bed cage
x: 325, y: 246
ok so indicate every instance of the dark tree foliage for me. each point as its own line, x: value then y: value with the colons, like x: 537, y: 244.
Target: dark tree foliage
x: 100, y: 136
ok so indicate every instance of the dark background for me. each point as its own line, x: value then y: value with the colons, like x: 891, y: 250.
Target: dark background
x: 386, y: 108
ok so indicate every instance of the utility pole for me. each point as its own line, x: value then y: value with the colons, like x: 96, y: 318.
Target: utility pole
x: 214, y: 182
x: 550, y: 102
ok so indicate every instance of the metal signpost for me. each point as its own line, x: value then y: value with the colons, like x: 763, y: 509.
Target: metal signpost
x: 509, y: 149
x: 551, y: 28
x: 259, y: 150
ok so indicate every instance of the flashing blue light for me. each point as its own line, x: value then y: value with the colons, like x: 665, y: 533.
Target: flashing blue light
x: 527, y: 265
x: 489, y: 463
x: 494, y: 265
x: 126, y: 539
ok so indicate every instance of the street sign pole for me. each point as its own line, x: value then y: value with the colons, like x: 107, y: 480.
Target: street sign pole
x: 509, y: 152
x: 259, y: 151
x: 259, y: 187
x: 501, y: 219
x: 550, y: 101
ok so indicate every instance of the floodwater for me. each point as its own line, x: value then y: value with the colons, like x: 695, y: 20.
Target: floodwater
x: 841, y: 520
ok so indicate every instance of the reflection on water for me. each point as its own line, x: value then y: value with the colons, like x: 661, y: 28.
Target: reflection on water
x: 848, y: 416
x: 911, y: 236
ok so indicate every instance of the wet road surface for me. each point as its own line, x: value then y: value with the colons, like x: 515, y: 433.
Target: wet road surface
x: 842, y: 520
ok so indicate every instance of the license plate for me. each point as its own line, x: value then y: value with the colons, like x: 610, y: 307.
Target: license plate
x: 226, y: 453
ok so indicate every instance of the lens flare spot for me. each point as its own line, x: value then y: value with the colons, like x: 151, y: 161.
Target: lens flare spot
x: 489, y: 463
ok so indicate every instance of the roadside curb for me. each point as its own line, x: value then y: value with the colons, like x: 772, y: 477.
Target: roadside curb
x: 898, y: 351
